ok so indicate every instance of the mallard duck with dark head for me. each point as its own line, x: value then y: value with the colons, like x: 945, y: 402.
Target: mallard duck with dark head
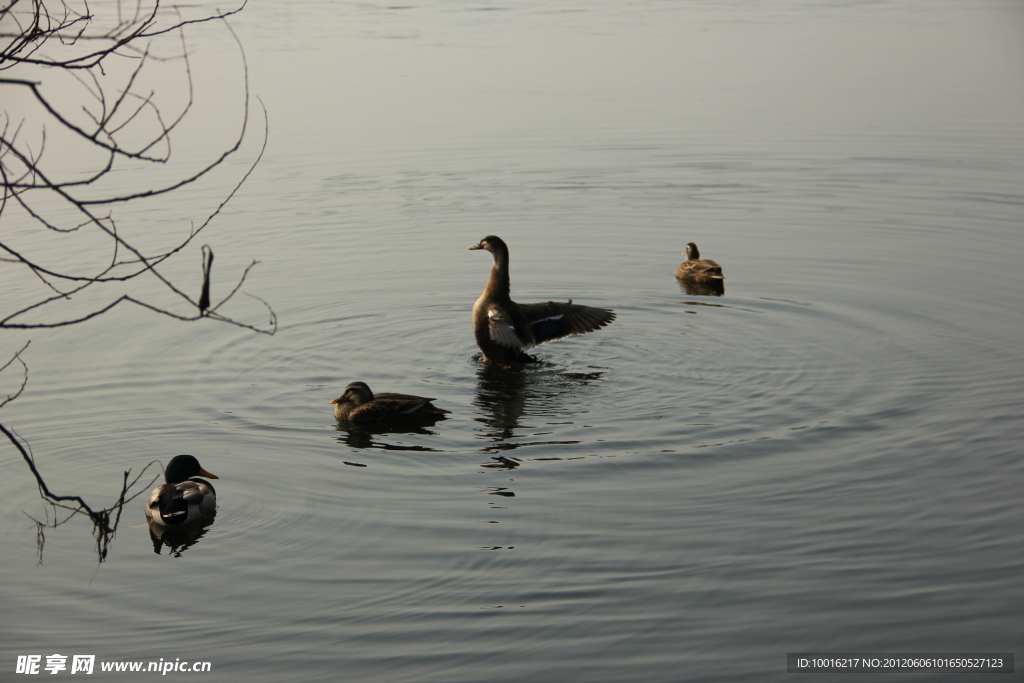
x: 360, y: 405
x: 185, y: 499
x: 505, y: 330
x: 695, y: 268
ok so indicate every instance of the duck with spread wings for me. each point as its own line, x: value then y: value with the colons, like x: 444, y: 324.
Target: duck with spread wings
x: 505, y: 330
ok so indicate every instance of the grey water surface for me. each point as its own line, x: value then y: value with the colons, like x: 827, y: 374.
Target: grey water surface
x: 826, y: 458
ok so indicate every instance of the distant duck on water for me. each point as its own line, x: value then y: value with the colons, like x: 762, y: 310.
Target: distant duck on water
x: 695, y: 268
x: 184, y: 499
x: 359, y: 404
x: 505, y: 330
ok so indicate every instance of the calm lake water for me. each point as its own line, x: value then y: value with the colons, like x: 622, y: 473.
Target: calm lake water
x: 824, y: 459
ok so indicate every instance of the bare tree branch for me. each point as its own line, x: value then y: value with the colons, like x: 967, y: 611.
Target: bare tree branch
x: 24, y: 179
x: 119, y: 122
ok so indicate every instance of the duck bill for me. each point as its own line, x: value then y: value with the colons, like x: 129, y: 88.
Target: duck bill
x: 475, y: 247
x: 210, y: 475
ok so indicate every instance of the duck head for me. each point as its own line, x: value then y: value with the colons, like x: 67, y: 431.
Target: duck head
x: 491, y: 243
x: 691, y: 252
x: 183, y: 467
x: 356, y: 393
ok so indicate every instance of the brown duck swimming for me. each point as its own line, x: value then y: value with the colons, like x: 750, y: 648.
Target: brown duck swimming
x: 359, y: 404
x: 693, y: 268
x: 505, y: 330
x: 184, y: 499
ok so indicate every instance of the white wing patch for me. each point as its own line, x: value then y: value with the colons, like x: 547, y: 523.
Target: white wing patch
x: 501, y: 329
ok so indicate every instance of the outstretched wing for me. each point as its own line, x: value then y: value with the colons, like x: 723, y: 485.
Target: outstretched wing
x: 502, y: 330
x: 556, y: 319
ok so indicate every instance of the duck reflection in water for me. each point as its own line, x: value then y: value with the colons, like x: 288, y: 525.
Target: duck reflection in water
x: 505, y: 395
x: 177, y: 539
x: 703, y: 287
x: 501, y: 393
x: 366, y: 436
